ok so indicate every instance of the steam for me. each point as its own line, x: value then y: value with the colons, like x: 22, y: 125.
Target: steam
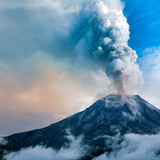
x: 104, y: 37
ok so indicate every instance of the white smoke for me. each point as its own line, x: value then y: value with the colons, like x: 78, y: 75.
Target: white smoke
x: 102, y: 36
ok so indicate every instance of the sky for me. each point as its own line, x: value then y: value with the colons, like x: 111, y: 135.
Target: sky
x: 42, y: 80
x: 143, y: 18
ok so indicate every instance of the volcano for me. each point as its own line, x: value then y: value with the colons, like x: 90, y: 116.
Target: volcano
x: 110, y: 116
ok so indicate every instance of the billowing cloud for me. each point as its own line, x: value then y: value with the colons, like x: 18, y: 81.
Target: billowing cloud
x: 144, y: 147
x: 90, y: 33
x: 40, y: 153
x: 103, y: 35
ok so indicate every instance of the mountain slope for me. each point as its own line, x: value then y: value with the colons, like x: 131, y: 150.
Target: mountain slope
x: 106, y: 118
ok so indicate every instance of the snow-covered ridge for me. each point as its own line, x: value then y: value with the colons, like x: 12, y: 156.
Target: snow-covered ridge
x: 119, y: 101
x: 135, y: 103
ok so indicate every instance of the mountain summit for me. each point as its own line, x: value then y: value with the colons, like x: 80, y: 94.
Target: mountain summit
x: 106, y: 118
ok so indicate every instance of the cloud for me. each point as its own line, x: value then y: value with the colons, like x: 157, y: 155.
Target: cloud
x: 58, y: 6
x: 150, y: 62
x: 105, y: 41
x: 76, y: 31
x: 40, y: 153
x: 43, y: 92
x: 150, y: 65
x: 134, y: 147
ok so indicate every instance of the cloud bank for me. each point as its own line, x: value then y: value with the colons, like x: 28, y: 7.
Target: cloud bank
x: 144, y: 147
x: 73, y: 152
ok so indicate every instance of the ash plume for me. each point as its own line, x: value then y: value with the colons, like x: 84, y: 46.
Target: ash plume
x: 102, y: 36
x: 84, y: 34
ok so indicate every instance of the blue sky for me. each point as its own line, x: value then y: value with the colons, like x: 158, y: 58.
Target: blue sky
x: 144, y: 19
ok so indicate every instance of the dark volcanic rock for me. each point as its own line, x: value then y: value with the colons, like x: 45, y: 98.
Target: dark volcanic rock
x: 107, y: 117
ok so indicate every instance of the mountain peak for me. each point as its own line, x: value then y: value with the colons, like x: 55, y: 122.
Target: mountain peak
x: 128, y: 114
x: 132, y: 101
x: 117, y: 97
x: 106, y: 117
x: 135, y: 103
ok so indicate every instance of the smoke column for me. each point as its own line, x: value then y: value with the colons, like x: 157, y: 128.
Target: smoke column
x: 102, y: 35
